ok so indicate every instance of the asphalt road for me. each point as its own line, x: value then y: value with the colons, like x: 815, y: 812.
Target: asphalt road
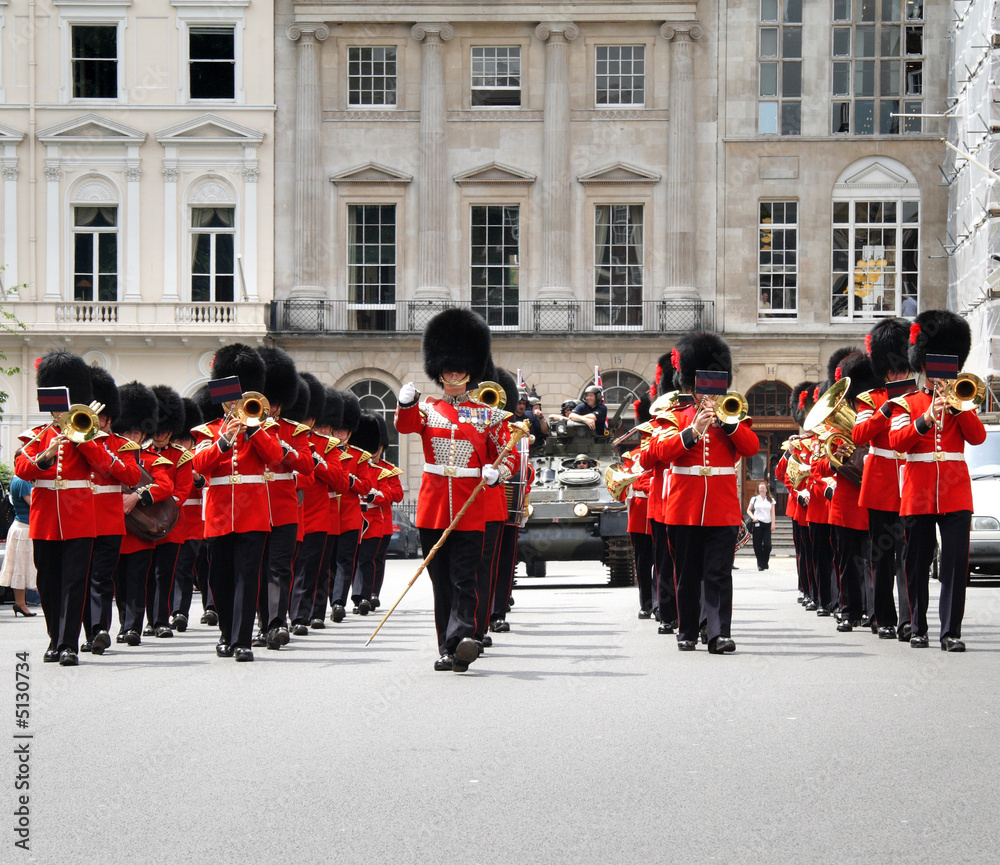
x: 582, y: 737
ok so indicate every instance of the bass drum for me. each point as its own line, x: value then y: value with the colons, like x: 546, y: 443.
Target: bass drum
x: 151, y: 522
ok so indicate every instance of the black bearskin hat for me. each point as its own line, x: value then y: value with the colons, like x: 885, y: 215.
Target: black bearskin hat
x: 62, y: 368
x: 140, y: 410
x: 939, y: 331
x: 888, y: 345
x: 317, y: 398
x: 801, y: 400
x: 456, y: 340
x: 834, y: 362
x: 367, y: 435
x: 352, y: 411
x: 707, y: 351
x: 509, y: 386
x: 192, y: 414
x: 209, y: 410
x: 105, y: 391
x: 298, y: 410
x: 281, y: 379
x: 333, y: 409
x: 663, y: 378
x: 858, y: 367
x: 383, y: 432
x: 242, y: 361
x: 642, y: 409
x: 171, y: 411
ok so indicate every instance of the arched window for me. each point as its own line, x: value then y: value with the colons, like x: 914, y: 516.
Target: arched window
x: 769, y: 399
x: 96, y: 247
x: 876, y: 241
x: 621, y: 386
x: 379, y: 399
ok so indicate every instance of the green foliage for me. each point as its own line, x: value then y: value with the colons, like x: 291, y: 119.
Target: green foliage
x: 6, y: 473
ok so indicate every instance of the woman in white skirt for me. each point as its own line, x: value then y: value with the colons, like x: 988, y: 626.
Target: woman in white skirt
x: 19, y: 562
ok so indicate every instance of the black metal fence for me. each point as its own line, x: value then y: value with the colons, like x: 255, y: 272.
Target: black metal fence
x: 527, y: 316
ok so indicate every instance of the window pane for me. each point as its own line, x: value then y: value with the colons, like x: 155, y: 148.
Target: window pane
x: 912, y: 123
x: 213, y: 80
x: 768, y: 10
x: 914, y: 10
x: 890, y: 78
x: 841, y: 41
x: 107, y: 253
x: 890, y: 10
x: 224, y: 257
x: 890, y: 42
x: 99, y: 42
x: 768, y: 118
x: 791, y: 118
x: 209, y: 43
x: 201, y: 253
x: 841, y: 117
x: 791, y: 42
x: 841, y: 79
x: 95, y: 66
x: 910, y: 211
x: 914, y: 78
x: 224, y: 289
x: 793, y: 11
x: 864, y: 78
x: 864, y: 10
x: 768, y: 79
x: 201, y: 290
x: 841, y: 10
x: 841, y: 213
x: 914, y: 40
x: 864, y: 45
x: 107, y: 288
x: 791, y: 79
x: 769, y: 42
x: 888, y: 125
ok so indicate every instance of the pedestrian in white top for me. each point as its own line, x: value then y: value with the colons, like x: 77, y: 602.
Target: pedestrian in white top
x: 761, y: 510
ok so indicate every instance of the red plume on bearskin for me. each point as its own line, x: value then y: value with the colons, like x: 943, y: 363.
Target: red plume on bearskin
x: 868, y: 344
x: 816, y: 394
x: 675, y: 359
x: 802, y: 399
x: 837, y: 373
x: 914, y: 333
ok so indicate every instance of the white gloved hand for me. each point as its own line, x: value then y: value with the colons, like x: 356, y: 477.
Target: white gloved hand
x: 408, y: 393
x: 378, y: 494
x: 491, y: 475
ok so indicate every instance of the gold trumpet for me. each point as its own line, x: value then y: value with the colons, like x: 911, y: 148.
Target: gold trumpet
x: 251, y: 409
x: 618, y: 480
x: 965, y: 392
x: 489, y: 393
x: 795, y: 471
x: 732, y: 408
x: 80, y: 422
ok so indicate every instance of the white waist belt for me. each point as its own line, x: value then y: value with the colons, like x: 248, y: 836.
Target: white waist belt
x: 888, y: 454
x: 111, y: 488
x: 936, y: 457
x: 60, y: 484
x: 284, y: 476
x: 636, y: 495
x: 192, y: 503
x: 235, y: 479
x: 703, y: 471
x: 451, y: 471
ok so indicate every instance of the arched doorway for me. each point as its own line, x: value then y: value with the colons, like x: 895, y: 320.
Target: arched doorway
x: 768, y: 404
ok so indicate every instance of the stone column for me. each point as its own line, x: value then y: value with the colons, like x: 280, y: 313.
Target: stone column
x: 432, y: 179
x: 52, y: 275
x: 681, y: 146
x: 251, y: 174
x: 556, y: 181
x: 309, y: 240
x: 133, y: 246
x: 170, y: 225
x: 10, y: 172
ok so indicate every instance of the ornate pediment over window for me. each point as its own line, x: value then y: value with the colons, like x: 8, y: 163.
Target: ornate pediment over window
x: 210, y: 129
x: 495, y: 174
x: 619, y: 174
x: 371, y: 174
x: 91, y: 129
x: 878, y: 174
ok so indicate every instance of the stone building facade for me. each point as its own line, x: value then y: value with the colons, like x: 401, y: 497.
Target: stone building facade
x: 598, y: 179
x: 137, y: 186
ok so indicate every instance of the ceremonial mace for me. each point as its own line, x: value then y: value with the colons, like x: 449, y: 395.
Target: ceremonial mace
x: 517, y: 432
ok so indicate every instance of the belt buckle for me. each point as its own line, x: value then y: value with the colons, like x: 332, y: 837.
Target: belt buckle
x: 59, y: 484
x: 938, y: 456
x: 705, y: 471
x: 450, y: 472
x: 899, y: 456
x: 268, y: 476
x: 236, y: 479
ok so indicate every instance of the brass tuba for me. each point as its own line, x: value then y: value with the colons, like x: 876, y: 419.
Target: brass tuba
x: 795, y: 471
x: 80, y: 423
x: 489, y: 393
x: 618, y: 480
x: 251, y: 409
x: 965, y: 392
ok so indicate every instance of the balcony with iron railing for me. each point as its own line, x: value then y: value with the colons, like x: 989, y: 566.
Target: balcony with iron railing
x: 120, y: 317
x: 296, y: 316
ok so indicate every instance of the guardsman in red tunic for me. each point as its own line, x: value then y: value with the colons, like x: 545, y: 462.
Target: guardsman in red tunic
x: 192, y: 529
x: 160, y: 582
x: 138, y: 420
x: 368, y: 438
x: 233, y: 457
x: 354, y: 464
x: 703, y: 512
x: 281, y: 389
x: 110, y: 517
x: 62, y: 525
x: 637, y: 494
x: 887, y: 346
x: 937, y: 490
x: 850, y: 520
x: 793, y: 456
x: 392, y: 493
x: 461, y: 441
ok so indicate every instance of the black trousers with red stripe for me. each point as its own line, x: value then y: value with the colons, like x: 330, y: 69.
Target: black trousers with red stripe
x: 703, y: 558
x: 380, y: 554
x: 235, y: 562
x: 506, y: 565
x: 453, y: 577
x: 642, y: 551
x: 486, y: 576
x: 665, y: 589
x: 185, y: 577
x: 885, y: 529
x: 276, y: 581
x: 307, y: 565
x: 852, y: 553
x: 821, y: 536
x: 164, y: 566
x: 101, y: 585
x: 363, y: 586
x: 131, y: 577
x: 803, y: 557
x: 62, y: 587
x: 346, y: 558
x: 953, y: 568
x: 324, y: 583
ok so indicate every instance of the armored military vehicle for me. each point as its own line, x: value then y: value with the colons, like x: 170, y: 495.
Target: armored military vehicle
x: 571, y: 514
